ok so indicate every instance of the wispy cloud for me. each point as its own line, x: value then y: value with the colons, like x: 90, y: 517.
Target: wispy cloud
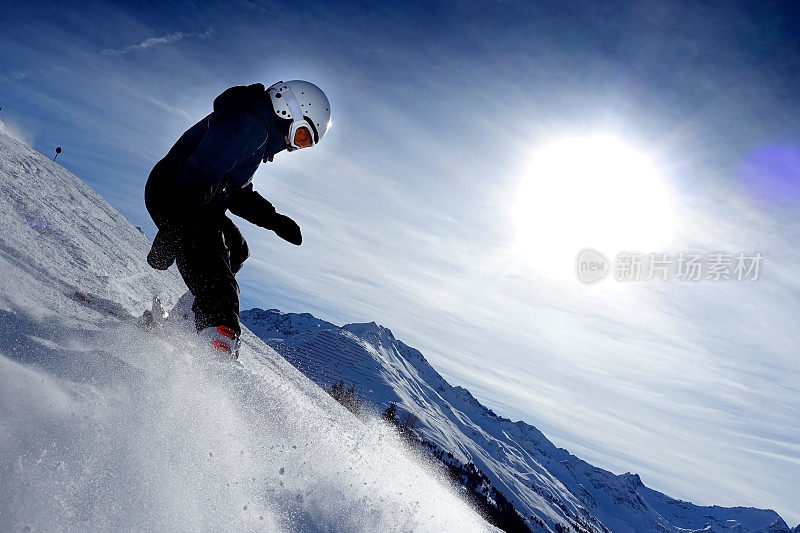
x: 148, y: 43
x: 158, y: 41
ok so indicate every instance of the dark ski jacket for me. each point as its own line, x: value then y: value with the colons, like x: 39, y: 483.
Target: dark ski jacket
x: 210, y: 169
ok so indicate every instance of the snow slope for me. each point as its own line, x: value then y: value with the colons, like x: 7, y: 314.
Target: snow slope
x: 103, y: 427
x: 536, y: 476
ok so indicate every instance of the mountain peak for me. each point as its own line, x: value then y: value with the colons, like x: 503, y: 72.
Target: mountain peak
x: 633, y: 480
x: 369, y: 328
x: 272, y: 323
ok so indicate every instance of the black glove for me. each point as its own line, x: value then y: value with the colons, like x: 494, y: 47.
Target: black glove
x: 286, y: 228
x: 162, y: 253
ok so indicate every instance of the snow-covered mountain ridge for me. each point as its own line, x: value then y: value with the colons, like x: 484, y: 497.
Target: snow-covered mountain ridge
x: 540, y: 479
x: 103, y: 427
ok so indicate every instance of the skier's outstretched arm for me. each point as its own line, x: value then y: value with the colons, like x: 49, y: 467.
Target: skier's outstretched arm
x: 251, y: 206
x: 230, y: 138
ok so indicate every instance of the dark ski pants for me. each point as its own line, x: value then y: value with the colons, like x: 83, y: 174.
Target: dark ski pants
x: 207, y: 245
x: 209, y: 252
x: 209, y: 256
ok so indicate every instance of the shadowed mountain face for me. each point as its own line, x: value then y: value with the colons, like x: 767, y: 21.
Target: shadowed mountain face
x: 541, y: 480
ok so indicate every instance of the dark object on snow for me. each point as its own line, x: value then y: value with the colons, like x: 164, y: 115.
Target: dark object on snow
x: 206, y: 173
x: 58, y: 151
x: 41, y: 226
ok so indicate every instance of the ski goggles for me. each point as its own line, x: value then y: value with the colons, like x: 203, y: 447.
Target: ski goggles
x: 298, y: 121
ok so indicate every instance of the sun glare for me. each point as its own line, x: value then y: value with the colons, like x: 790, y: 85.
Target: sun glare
x: 590, y: 192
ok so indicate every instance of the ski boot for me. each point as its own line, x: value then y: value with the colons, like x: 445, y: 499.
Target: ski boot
x: 221, y: 339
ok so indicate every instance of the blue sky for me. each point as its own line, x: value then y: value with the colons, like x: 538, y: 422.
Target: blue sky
x: 410, y: 206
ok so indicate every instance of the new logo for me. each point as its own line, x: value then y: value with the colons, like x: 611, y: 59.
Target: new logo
x: 591, y: 265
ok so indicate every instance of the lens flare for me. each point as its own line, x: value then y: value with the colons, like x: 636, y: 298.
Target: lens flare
x: 772, y: 174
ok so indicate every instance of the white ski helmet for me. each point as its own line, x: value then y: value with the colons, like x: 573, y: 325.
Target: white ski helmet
x: 305, y: 105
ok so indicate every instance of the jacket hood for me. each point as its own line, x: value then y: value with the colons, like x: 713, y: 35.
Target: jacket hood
x: 253, y: 98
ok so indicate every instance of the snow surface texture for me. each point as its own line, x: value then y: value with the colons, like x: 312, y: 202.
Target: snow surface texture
x: 533, y: 474
x: 105, y: 428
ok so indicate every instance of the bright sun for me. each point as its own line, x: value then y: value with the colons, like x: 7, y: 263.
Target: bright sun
x: 590, y: 192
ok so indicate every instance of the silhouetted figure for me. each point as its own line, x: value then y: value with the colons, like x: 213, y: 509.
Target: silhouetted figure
x: 58, y: 151
x: 208, y: 172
